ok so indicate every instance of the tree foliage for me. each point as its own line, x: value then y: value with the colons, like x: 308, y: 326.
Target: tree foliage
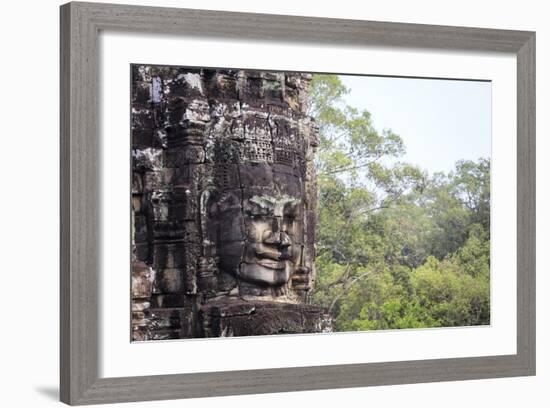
x: 396, y: 246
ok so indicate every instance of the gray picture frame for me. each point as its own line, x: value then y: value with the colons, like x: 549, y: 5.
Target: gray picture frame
x: 80, y: 231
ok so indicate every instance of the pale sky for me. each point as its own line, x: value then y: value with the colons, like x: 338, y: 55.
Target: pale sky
x: 440, y: 121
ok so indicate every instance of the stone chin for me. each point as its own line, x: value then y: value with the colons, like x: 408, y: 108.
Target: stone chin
x: 266, y: 272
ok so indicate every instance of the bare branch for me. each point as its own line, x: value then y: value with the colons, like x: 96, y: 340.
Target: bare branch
x: 346, y: 287
x: 341, y: 279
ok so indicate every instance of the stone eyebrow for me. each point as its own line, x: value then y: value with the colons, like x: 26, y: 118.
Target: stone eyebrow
x: 263, y: 201
x: 268, y: 201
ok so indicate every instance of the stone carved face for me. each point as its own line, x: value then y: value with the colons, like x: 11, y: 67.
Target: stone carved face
x: 258, y: 237
x: 271, y: 251
x: 260, y: 229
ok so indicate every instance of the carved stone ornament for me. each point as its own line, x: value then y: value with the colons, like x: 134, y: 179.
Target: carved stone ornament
x: 223, y: 204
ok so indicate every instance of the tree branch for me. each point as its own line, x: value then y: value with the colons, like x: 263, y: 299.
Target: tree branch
x: 346, y: 287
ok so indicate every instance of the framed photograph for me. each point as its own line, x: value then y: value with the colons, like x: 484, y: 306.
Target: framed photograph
x: 262, y: 203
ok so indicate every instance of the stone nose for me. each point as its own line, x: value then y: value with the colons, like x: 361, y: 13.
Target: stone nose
x: 277, y: 235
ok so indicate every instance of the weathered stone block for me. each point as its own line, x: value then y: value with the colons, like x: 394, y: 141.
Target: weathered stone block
x: 176, y: 255
x: 140, y: 228
x: 221, y: 84
x: 258, y: 174
x: 140, y: 306
x: 143, y: 138
x: 142, y: 279
x: 207, y: 273
x: 226, y: 176
x: 240, y: 318
x: 168, y: 300
x: 233, y: 229
x: 171, y: 323
x: 147, y: 159
x: 186, y: 231
x: 137, y: 183
x: 142, y: 93
x: 187, y: 319
x: 137, y: 203
x: 187, y: 85
x: 170, y: 280
x: 143, y: 118
x: 165, y: 319
x: 189, y: 154
x: 209, y: 145
x: 310, y: 232
x: 288, y: 183
x: 142, y: 252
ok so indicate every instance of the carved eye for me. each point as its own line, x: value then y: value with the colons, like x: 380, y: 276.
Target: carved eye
x: 290, y: 216
x: 291, y: 212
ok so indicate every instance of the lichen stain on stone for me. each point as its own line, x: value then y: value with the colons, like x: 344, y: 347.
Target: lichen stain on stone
x: 148, y: 158
x: 194, y: 80
x: 156, y: 89
x: 275, y: 204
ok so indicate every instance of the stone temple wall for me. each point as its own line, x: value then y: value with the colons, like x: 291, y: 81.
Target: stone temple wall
x: 204, y: 141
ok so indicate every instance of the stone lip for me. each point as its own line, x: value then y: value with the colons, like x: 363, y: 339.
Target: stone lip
x: 232, y: 318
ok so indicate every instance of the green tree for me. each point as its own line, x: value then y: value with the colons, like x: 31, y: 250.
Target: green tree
x: 354, y: 184
x: 396, y: 247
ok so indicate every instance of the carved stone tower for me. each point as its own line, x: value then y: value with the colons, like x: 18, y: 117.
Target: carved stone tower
x: 223, y: 198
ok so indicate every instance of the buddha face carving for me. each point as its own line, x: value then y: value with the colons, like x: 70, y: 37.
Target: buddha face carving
x: 258, y: 235
x: 259, y: 229
x: 271, y: 252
